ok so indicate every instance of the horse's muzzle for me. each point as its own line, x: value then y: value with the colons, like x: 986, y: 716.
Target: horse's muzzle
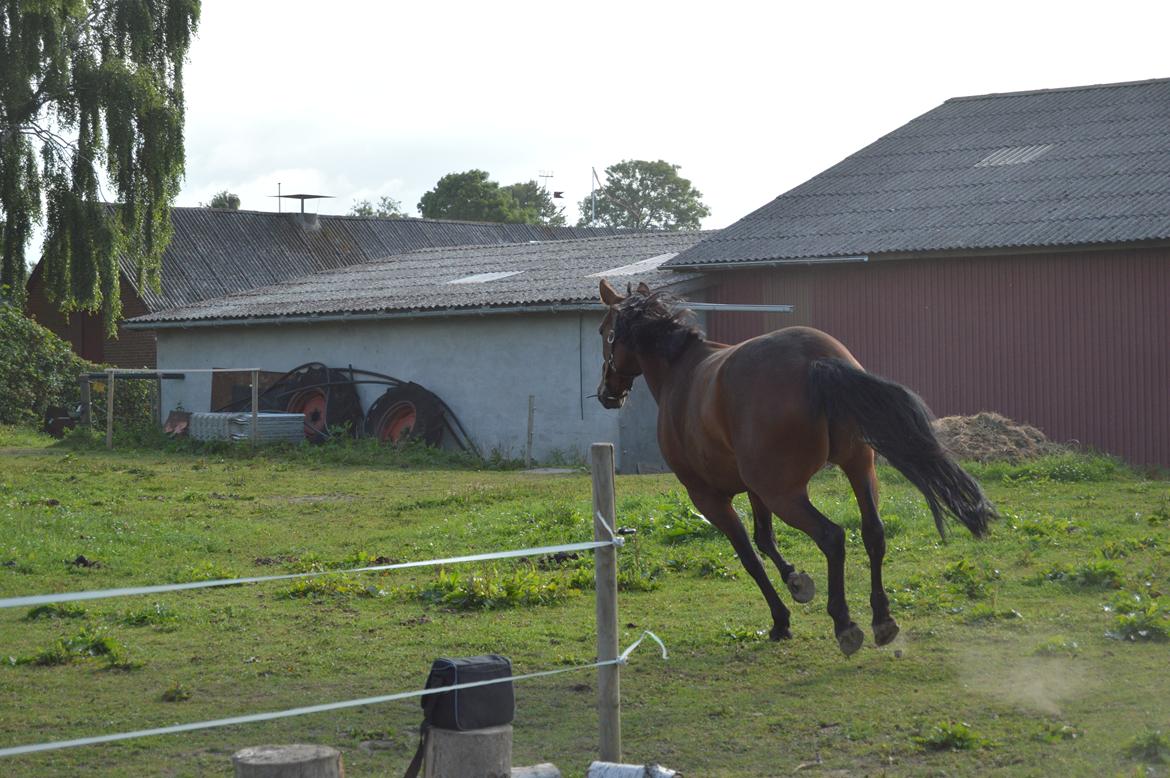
x: 612, y: 401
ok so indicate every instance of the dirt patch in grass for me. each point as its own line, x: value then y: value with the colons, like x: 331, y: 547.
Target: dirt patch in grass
x: 988, y: 436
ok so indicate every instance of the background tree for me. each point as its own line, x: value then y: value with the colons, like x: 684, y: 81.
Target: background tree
x: 83, y: 83
x: 537, y: 204
x: 387, y: 208
x: 229, y: 201
x: 643, y: 195
x: 471, y: 196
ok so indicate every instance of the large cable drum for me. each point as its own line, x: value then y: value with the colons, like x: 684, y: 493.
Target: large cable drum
x: 326, y: 396
x: 406, y: 412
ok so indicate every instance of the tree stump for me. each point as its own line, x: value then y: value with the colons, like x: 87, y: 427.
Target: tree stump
x: 476, y: 753
x: 295, y: 761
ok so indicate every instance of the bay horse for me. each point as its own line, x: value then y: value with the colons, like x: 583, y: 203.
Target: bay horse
x: 763, y: 417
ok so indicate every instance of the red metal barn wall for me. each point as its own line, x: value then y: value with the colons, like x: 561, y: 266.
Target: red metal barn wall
x: 1076, y: 343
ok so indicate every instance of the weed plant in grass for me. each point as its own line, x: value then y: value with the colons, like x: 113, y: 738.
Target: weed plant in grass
x: 951, y: 736
x: 728, y: 702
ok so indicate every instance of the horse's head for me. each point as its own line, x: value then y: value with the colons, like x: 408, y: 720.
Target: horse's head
x: 620, y: 366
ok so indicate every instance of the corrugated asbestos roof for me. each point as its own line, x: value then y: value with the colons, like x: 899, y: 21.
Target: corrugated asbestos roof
x: 217, y: 252
x: 1060, y: 167
x: 519, y: 274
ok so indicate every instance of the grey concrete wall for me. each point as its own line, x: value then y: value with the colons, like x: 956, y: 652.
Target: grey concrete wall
x: 484, y: 368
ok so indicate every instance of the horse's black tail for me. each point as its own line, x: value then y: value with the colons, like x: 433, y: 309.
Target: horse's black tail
x: 896, y: 422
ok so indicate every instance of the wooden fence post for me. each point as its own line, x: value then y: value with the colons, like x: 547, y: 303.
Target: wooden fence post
x: 86, y: 401
x: 109, y: 409
x: 605, y: 576
x: 528, y: 445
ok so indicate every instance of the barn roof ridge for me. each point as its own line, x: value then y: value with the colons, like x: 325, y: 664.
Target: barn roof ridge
x: 1051, y: 90
x: 354, y: 216
x: 538, y: 243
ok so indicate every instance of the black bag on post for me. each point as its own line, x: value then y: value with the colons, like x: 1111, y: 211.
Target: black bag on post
x: 479, y: 707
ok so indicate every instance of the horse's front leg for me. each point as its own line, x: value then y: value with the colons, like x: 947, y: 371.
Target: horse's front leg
x: 799, y: 584
x: 863, y: 479
x: 718, y: 510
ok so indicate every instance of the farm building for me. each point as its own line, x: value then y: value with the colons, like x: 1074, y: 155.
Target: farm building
x: 483, y: 327
x: 217, y: 252
x: 1006, y: 252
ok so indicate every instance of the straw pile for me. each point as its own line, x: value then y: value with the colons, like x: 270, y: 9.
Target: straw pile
x: 988, y: 436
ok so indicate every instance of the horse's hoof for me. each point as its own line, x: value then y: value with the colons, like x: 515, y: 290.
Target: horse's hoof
x: 850, y: 639
x: 802, y: 587
x: 780, y: 633
x: 884, y: 633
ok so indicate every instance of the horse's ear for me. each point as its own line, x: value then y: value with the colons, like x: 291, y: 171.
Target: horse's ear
x: 609, y: 295
x: 642, y: 288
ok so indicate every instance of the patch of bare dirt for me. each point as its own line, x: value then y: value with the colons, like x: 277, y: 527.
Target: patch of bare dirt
x: 988, y: 436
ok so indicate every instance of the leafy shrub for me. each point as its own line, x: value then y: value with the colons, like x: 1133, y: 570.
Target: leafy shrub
x: 681, y: 523
x: 951, y: 736
x: 38, y: 369
x: 87, y: 643
x: 176, y: 692
x: 968, y: 579
x: 1151, y: 746
x: 1138, y: 618
x: 1101, y: 574
x: 54, y: 611
x: 633, y: 575
x: 492, y: 590
x: 1051, y: 732
x: 1042, y: 526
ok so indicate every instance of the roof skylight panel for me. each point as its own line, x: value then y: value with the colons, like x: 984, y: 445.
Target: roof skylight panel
x: 1014, y: 155
x: 483, y: 278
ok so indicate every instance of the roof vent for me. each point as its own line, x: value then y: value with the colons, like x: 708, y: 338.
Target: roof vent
x: 480, y: 278
x: 1013, y: 155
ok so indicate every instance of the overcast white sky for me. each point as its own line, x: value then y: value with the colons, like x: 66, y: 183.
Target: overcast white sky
x: 363, y: 99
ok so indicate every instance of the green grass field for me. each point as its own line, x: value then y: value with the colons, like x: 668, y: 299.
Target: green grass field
x: 1040, y: 651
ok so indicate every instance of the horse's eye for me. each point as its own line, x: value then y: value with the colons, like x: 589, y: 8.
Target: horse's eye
x: 609, y: 337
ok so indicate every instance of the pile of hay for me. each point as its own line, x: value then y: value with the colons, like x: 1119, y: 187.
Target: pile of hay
x: 988, y: 436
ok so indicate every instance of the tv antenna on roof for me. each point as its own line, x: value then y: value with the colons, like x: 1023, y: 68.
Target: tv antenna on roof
x: 301, y: 197
x: 546, y: 175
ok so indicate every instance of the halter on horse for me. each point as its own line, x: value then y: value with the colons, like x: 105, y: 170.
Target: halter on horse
x: 763, y: 417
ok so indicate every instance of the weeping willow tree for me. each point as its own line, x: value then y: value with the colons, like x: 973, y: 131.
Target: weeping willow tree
x: 91, y: 141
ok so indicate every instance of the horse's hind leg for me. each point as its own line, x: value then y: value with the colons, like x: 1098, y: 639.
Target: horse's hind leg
x: 794, y: 508
x: 859, y: 470
x: 719, y: 511
x: 799, y: 584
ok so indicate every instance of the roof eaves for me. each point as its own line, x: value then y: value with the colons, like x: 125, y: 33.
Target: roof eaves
x: 145, y: 323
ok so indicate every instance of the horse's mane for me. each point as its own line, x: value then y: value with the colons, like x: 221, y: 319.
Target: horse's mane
x: 657, y: 324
